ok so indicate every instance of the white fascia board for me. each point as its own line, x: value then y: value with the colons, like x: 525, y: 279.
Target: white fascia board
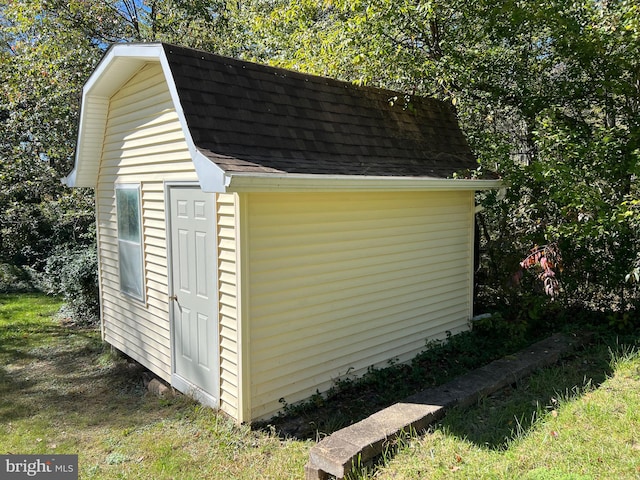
x: 210, y: 175
x: 266, y: 182
x: 118, y: 65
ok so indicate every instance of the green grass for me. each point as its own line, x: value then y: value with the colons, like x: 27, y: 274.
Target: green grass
x: 559, y: 424
x: 62, y: 391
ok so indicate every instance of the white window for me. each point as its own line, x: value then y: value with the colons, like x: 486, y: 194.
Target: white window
x: 130, y: 240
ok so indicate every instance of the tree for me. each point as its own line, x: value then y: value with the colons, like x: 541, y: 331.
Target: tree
x: 48, y: 49
x: 45, y: 55
x: 548, y: 93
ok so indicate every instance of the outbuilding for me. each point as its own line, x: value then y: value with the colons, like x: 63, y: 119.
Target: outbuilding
x: 262, y: 232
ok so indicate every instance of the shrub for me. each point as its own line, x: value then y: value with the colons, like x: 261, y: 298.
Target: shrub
x: 72, y: 272
x: 14, y: 279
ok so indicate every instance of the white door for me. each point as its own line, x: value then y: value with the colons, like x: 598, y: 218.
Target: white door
x: 194, y: 294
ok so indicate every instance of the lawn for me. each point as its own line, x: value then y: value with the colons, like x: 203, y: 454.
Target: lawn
x: 561, y: 423
x: 63, y: 391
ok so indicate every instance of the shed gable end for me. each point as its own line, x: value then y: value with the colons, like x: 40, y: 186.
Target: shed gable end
x: 143, y: 146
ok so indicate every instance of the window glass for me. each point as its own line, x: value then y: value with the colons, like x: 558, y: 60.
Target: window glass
x: 130, y: 241
x: 128, y: 201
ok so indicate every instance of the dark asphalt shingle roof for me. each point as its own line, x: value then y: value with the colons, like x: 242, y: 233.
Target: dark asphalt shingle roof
x: 248, y: 117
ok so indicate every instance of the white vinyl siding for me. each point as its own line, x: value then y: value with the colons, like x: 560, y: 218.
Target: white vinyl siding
x: 144, y: 145
x: 340, y: 282
x: 228, y: 301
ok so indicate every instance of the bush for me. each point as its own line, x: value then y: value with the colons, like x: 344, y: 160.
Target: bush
x: 14, y: 279
x: 72, y: 272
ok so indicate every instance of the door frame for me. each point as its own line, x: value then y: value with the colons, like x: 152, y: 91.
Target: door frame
x: 178, y: 382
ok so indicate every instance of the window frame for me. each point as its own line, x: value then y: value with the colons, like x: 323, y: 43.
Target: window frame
x: 135, y: 290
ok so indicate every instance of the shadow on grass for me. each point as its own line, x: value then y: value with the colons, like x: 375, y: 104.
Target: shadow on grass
x: 70, y: 377
x: 494, y: 421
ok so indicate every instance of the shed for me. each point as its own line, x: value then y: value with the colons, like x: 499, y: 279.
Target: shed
x: 262, y: 232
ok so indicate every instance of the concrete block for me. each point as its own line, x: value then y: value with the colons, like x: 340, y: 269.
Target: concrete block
x: 311, y: 472
x: 334, y: 455
x: 159, y: 389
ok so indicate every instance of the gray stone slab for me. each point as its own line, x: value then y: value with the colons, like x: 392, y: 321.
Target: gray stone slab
x: 340, y: 452
x: 334, y: 456
x: 312, y: 472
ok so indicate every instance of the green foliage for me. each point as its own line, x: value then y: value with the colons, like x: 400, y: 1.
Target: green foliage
x: 72, y: 273
x: 15, y: 279
x: 62, y: 391
x: 547, y: 93
x: 47, y: 51
x: 350, y: 399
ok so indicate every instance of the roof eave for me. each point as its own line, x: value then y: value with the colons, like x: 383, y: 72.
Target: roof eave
x: 270, y: 182
x: 118, y: 65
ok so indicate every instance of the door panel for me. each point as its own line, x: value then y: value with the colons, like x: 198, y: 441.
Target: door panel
x: 193, y: 252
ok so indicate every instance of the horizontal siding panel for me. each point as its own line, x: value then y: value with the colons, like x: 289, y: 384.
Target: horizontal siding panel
x: 383, y: 329
x: 148, y: 357
x: 153, y: 251
x: 146, y: 78
x: 229, y: 409
x: 155, y: 238
x: 308, y: 385
x: 144, y: 145
x: 147, y: 140
x: 227, y: 280
x: 161, y: 163
x: 228, y: 313
x: 155, y: 98
x: 345, y: 250
x: 152, y: 316
x: 153, y: 210
x: 386, y: 304
x: 374, y: 310
x: 153, y: 225
x: 416, y: 318
x: 166, y: 124
x: 152, y: 175
x: 362, y: 224
x: 228, y: 343
x: 158, y: 301
x: 226, y: 243
x: 264, y: 258
x: 159, y: 267
x: 358, y: 272
x: 344, y: 281
x: 228, y: 386
x: 227, y: 304
x: 126, y: 120
x: 158, y: 337
x: 157, y: 289
x: 163, y: 120
x: 156, y: 234
x: 133, y: 153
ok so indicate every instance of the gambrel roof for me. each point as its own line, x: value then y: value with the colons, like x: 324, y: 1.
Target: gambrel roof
x: 249, y: 123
